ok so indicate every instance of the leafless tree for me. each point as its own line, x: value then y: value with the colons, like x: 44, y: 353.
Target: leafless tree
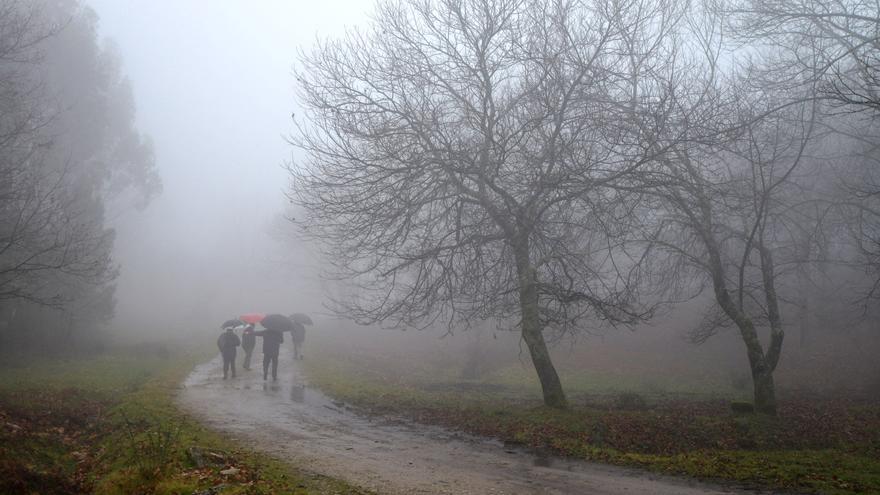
x: 722, y: 214
x: 458, y: 155
x: 47, y: 236
x: 44, y: 232
x: 67, y: 146
x: 835, y: 43
x: 856, y: 206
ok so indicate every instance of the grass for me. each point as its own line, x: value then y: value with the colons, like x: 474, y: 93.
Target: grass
x: 814, y: 445
x: 109, y: 425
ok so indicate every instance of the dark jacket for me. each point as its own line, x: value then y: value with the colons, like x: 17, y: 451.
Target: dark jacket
x: 248, y: 339
x: 299, y: 332
x: 227, y: 342
x: 272, y: 340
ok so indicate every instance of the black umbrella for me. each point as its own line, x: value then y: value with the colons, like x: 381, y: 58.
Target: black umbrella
x: 302, y: 318
x: 278, y: 323
x: 231, y: 323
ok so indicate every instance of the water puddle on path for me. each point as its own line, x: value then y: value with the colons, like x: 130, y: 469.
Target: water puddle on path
x: 291, y: 420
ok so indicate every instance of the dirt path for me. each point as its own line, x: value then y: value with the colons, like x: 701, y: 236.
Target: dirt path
x: 290, y: 420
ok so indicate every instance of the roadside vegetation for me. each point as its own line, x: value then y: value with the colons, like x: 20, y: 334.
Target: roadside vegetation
x: 828, y: 444
x: 108, y: 425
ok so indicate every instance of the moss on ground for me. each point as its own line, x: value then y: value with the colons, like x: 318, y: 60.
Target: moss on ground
x: 109, y: 425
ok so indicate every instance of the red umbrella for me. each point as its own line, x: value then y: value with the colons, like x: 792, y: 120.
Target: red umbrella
x: 252, y: 317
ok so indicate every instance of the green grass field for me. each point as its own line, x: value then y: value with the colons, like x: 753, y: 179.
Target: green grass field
x: 109, y: 425
x: 664, y: 424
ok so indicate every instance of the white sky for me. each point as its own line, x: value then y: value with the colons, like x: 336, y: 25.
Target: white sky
x: 214, y: 89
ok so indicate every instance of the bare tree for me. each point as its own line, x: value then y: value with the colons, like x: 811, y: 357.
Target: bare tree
x: 721, y: 214
x: 835, y: 45
x: 833, y: 42
x: 44, y: 232
x: 67, y: 146
x: 46, y: 236
x: 856, y: 206
x: 459, y: 153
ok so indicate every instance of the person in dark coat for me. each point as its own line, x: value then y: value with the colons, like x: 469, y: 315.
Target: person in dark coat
x: 298, y: 335
x: 227, y: 342
x: 272, y: 340
x: 248, y: 342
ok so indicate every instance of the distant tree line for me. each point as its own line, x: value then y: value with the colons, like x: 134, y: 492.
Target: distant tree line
x: 552, y: 163
x: 69, y: 151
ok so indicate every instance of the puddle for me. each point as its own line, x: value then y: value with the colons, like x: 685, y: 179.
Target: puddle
x: 290, y: 420
x: 298, y: 393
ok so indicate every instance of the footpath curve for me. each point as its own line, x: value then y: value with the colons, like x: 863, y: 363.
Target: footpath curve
x: 290, y: 420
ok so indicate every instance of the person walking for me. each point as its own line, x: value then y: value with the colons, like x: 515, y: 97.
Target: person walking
x: 272, y: 340
x: 227, y: 342
x: 298, y: 335
x: 248, y: 342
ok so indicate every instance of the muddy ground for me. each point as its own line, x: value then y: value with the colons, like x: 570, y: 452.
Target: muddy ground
x: 291, y: 420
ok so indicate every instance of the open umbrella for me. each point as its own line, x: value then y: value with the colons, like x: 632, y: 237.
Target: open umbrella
x: 231, y: 323
x: 279, y: 323
x: 252, y: 317
x: 302, y: 318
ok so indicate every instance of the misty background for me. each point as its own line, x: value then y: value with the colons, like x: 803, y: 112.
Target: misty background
x: 214, y: 89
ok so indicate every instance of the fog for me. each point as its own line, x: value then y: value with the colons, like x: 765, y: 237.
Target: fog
x: 508, y: 241
x: 213, y: 86
x: 231, y: 94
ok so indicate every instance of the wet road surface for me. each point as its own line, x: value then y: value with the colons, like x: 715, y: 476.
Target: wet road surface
x: 290, y: 420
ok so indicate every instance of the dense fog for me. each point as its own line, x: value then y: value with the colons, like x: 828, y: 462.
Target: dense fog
x: 214, y: 88
x: 223, y: 97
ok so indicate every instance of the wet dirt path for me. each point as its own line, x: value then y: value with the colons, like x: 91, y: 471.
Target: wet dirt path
x: 290, y: 420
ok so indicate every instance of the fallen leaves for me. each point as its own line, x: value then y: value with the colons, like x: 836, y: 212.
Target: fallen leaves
x: 46, y: 448
x: 812, y: 439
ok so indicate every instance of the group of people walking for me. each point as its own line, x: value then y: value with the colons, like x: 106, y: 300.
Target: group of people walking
x: 229, y: 341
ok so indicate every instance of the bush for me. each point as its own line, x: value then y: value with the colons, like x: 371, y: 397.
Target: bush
x: 152, y: 444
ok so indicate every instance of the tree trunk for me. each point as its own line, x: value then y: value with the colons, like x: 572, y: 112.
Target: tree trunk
x: 762, y: 373
x: 762, y: 369
x: 533, y: 334
x: 765, y: 390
